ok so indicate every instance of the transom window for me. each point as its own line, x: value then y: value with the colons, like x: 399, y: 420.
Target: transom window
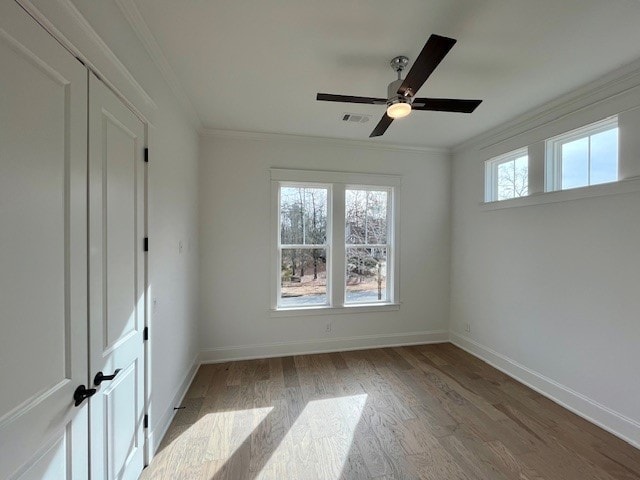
x: 335, y: 240
x: 507, y: 176
x: 583, y: 157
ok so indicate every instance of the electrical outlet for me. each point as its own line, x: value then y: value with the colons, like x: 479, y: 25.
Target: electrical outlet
x: 327, y: 328
x: 467, y: 327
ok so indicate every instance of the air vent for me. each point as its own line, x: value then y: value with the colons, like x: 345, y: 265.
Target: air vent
x: 355, y: 118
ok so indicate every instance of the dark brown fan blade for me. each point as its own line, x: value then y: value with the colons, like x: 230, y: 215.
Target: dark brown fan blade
x: 430, y: 57
x: 382, y: 126
x: 445, y: 105
x: 328, y: 97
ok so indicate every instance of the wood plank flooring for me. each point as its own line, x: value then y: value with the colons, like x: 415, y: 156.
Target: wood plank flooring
x: 426, y: 412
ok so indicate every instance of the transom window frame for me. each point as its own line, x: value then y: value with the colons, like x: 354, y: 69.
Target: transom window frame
x: 553, y: 153
x: 491, y: 173
x: 337, y: 182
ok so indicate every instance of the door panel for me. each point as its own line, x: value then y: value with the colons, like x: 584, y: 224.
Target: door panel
x: 116, y: 284
x: 51, y: 464
x: 119, y: 190
x: 43, y: 281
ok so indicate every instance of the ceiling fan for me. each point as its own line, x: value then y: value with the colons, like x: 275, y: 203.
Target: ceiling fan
x: 401, y: 98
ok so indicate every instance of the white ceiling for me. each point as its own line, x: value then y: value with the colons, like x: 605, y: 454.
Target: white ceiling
x: 257, y: 65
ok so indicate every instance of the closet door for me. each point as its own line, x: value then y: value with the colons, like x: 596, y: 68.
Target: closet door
x: 43, y: 254
x: 116, y: 285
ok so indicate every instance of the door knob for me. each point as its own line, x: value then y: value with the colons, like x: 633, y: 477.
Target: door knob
x: 81, y: 393
x: 100, y: 377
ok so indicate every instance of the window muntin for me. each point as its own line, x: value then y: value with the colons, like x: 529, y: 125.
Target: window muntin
x: 507, y: 176
x: 583, y: 157
x: 304, y: 220
x: 367, y: 244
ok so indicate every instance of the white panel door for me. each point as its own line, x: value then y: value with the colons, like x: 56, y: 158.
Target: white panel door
x: 43, y: 253
x: 116, y: 285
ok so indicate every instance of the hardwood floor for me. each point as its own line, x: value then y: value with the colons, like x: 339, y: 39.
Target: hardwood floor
x: 425, y: 412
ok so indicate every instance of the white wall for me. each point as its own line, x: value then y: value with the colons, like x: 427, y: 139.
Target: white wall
x: 172, y: 192
x: 552, y: 291
x: 235, y: 247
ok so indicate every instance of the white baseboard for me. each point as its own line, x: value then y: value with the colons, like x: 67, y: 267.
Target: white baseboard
x: 615, y: 423
x: 324, y: 345
x: 158, y: 432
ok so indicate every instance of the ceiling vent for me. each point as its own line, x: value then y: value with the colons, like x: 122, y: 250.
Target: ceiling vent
x: 355, y: 118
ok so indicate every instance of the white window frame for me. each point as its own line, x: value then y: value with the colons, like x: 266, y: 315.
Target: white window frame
x: 491, y: 173
x: 326, y: 245
x: 553, y: 148
x: 337, y: 182
x: 389, y: 246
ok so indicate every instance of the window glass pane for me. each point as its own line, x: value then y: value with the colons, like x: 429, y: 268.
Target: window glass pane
x: 303, y: 216
x: 513, y: 178
x: 604, y: 157
x: 303, y: 280
x: 575, y: 163
x: 366, y: 216
x: 376, y: 217
x: 505, y: 180
x: 366, y: 280
x: 521, y: 176
x: 356, y: 216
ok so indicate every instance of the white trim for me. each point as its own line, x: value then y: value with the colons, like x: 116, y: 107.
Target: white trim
x: 620, y: 187
x: 348, y: 309
x: 317, y: 140
x: 150, y: 44
x: 157, y: 433
x: 323, y: 345
x: 612, y: 84
x: 324, y: 177
x: 613, y: 422
x: 69, y: 27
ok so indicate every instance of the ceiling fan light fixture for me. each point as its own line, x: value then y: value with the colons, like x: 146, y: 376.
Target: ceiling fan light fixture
x: 399, y: 109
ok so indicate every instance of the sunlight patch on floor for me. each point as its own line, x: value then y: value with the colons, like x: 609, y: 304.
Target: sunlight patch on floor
x: 325, y: 426
x: 227, y: 431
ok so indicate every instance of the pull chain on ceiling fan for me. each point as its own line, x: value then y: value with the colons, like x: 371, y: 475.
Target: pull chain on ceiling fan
x: 401, y: 98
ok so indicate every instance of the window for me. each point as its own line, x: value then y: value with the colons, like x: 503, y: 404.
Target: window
x: 507, y: 176
x: 583, y: 157
x: 335, y: 240
x: 367, y: 244
x: 304, y: 217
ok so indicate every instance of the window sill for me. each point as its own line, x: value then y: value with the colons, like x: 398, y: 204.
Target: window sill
x: 346, y: 310
x: 614, y: 188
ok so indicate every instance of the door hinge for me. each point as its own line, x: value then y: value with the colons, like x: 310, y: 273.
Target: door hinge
x: 146, y: 155
x: 145, y: 334
x: 146, y: 244
x: 145, y: 423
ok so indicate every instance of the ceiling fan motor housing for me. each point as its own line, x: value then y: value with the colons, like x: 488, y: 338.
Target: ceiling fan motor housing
x: 394, y: 97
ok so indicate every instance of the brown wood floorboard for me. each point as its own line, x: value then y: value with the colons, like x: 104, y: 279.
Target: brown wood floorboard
x: 420, y: 412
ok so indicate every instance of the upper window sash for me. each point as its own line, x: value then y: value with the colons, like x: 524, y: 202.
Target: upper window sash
x: 306, y: 241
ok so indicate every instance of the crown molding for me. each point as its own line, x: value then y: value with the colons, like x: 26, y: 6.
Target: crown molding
x: 313, y: 140
x: 69, y: 27
x: 613, y: 83
x: 150, y: 44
